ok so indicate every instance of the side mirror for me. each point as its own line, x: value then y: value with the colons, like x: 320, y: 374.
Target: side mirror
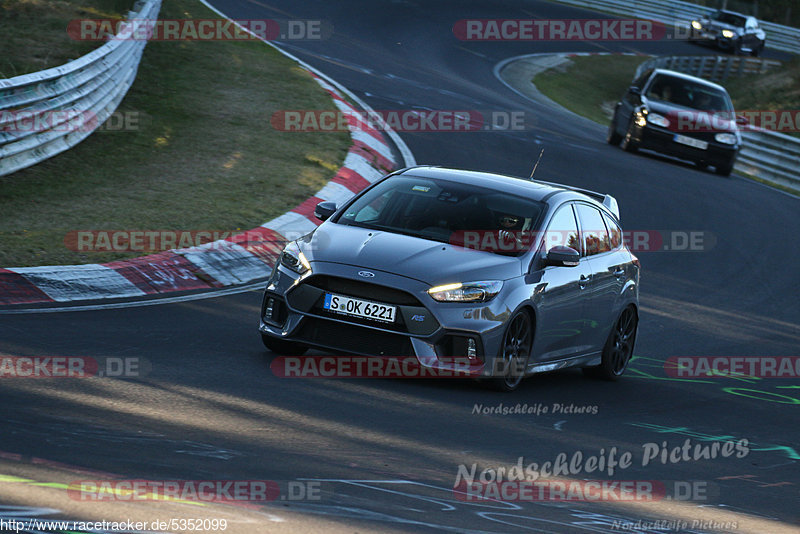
x: 635, y: 90
x: 324, y: 210
x: 741, y: 120
x: 562, y: 257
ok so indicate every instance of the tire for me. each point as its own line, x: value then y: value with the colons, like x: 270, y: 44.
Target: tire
x: 514, y: 353
x: 757, y: 50
x: 724, y: 170
x: 282, y: 347
x: 628, y: 144
x: 612, y: 137
x: 618, y: 349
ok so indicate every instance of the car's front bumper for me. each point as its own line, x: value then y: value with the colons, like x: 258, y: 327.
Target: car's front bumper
x: 713, y: 38
x: 434, y: 333
x: 663, y: 140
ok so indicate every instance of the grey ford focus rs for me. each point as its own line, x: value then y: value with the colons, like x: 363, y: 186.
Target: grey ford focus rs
x: 501, y: 274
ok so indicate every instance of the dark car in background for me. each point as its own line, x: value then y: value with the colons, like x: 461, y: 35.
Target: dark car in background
x: 506, y: 275
x: 730, y: 31
x: 678, y: 115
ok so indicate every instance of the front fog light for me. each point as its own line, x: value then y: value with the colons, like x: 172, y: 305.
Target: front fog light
x: 268, y: 309
x: 472, y: 349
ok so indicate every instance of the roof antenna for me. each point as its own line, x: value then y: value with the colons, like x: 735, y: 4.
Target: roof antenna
x: 537, y: 164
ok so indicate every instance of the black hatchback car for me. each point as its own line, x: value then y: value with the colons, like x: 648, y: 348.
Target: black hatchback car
x: 679, y: 115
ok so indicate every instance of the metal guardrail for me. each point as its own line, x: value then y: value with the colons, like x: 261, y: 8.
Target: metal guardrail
x: 770, y: 155
x: 61, y: 106
x: 714, y: 68
x: 779, y: 37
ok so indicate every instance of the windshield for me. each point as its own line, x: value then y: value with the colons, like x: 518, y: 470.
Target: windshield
x: 728, y: 18
x: 448, y: 212
x: 688, y: 94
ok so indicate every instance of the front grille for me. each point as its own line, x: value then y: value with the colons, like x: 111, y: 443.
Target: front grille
x: 364, y: 290
x: 352, y: 338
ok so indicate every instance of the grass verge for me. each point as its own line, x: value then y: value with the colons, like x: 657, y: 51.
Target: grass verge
x: 202, y: 156
x: 589, y: 85
x: 34, y: 32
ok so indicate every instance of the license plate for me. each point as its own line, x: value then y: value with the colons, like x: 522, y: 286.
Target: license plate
x: 359, y: 308
x: 691, y: 141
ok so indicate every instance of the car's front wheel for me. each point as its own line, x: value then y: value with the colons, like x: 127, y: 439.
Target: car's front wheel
x: 618, y: 349
x: 725, y: 169
x: 282, y: 347
x: 513, y: 357
x: 612, y: 137
x: 628, y: 144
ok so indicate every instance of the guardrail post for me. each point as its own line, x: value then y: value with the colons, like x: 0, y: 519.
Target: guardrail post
x: 715, y: 70
x: 740, y: 70
x: 701, y: 69
x: 727, y: 71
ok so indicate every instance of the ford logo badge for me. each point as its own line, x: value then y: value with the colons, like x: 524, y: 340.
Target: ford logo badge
x: 366, y: 274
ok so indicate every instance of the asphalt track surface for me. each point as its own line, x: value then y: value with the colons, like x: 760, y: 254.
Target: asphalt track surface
x: 385, y: 453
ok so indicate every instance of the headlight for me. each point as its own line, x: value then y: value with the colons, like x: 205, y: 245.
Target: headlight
x: 696, y: 25
x: 294, y: 259
x: 727, y: 34
x: 640, y: 118
x: 466, y: 292
x: 658, y: 120
x: 727, y: 138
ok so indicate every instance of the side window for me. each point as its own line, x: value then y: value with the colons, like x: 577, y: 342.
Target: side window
x: 593, y: 230
x: 563, y: 230
x: 614, y: 231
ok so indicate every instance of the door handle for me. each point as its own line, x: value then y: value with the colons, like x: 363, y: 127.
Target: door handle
x: 584, y: 280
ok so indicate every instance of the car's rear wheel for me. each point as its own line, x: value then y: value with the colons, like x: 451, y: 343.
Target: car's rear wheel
x: 618, y: 349
x: 513, y: 357
x: 282, y: 347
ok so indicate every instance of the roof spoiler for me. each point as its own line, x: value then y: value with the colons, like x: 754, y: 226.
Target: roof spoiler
x: 605, y: 199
